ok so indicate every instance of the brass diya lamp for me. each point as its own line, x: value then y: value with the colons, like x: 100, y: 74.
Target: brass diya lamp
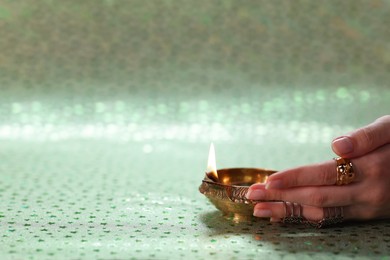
x: 226, y: 188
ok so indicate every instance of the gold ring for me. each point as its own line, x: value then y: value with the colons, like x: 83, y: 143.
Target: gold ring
x: 332, y: 216
x: 292, y: 213
x: 345, y: 173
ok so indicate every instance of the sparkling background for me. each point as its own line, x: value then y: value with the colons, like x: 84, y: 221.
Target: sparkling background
x: 107, y: 109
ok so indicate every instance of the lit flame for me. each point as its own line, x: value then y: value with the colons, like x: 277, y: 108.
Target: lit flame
x: 211, y: 164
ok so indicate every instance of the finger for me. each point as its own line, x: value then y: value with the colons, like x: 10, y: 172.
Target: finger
x: 363, y: 140
x: 276, y: 211
x: 324, y: 173
x: 323, y: 196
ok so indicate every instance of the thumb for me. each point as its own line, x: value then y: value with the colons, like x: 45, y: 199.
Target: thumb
x: 363, y: 140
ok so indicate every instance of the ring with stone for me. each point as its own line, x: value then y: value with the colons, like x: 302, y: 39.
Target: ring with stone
x: 344, y: 169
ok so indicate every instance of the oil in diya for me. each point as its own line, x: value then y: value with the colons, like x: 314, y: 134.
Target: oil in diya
x: 226, y: 188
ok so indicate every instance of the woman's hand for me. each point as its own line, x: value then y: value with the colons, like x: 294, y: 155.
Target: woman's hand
x: 314, y: 186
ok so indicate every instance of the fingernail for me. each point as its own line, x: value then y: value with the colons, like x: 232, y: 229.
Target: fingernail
x: 276, y: 184
x: 342, y: 145
x: 255, y: 194
x: 262, y: 213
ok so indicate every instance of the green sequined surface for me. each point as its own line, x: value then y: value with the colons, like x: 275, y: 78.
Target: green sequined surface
x: 107, y: 110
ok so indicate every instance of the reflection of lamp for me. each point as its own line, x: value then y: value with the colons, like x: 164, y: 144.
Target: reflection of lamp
x: 226, y: 188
